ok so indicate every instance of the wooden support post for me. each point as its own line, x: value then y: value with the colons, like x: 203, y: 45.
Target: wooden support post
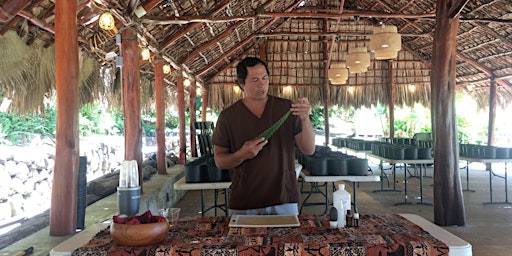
x: 192, y: 109
x: 161, y: 161
x: 326, y: 88
x: 492, y: 112
x: 392, y: 98
x: 204, y: 102
x: 67, y: 156
x: 448, y: 199
x: 131, y: 99
x: 181, y: 118
x: 492, y: 118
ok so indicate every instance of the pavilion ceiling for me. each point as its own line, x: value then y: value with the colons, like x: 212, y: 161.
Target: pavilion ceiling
x: 298, y: 39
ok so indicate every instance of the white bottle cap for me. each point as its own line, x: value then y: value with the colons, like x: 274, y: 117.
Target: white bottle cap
x: 341, y: 186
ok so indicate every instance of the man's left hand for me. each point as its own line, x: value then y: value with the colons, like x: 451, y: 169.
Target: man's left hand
x: 301, y: 108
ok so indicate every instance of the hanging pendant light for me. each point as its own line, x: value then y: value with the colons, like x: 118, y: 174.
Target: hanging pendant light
x: 145, y: 54
x: 338, y: 73
x: 358, y: 60
x: 385, y: 42
x: 106, y: 21
x: 166, y: 69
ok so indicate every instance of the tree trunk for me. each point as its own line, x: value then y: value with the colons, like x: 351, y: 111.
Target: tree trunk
x: 448, y: 199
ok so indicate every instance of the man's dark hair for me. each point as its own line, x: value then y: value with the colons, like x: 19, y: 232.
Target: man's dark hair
x: 241, y: 68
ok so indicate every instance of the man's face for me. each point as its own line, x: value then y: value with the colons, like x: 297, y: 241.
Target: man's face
x: 256, y: 83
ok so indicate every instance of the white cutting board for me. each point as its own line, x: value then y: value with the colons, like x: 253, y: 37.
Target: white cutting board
x: 264, y: 221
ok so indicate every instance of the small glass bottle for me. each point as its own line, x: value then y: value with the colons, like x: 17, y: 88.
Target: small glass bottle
x: 349, y: 218
x: 355, y: 221
x: 333, y: 217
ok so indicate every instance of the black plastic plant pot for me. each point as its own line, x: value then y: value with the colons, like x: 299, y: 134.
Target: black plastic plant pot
x: 213, y: 174
x: 424, y: 153
x: 318, y: 165
x: 337, y: 166
x: 194, y: 171
x: 411, y: 153
x: 227, y: 174
x: 502, y: 153
x: 388, y: 152
x: 357, y: 166
x: 398, y: 153
x: 489, y: 152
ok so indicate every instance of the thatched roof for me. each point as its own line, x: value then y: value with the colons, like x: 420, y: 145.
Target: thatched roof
x: 298, y: 39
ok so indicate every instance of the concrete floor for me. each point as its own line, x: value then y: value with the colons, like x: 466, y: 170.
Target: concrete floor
x: 488, y: 226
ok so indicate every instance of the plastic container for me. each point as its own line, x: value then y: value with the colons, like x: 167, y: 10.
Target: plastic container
x: 342, y: 203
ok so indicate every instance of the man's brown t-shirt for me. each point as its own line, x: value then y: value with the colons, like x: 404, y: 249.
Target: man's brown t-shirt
x: 269, y: 178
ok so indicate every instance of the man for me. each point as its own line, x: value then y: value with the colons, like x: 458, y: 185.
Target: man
x: 264, y: 179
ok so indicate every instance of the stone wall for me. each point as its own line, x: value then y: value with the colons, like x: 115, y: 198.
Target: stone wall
x: 26, y: 173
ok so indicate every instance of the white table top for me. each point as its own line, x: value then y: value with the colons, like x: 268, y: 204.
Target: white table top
x: 485, y: 161
x: 405, y: 161
x: 183, y: 185
x: 456, y: 245
x: 310, y: 178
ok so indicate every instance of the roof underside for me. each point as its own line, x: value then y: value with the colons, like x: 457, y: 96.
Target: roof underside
x: 298, y: 39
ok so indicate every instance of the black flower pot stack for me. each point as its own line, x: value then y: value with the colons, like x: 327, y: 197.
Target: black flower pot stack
x: 484, y: 152
x: 332, y: 163
x: 401, y: 149
x: 204, y: 169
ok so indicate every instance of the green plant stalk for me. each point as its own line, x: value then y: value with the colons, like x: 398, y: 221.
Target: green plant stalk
x: 266, y: 134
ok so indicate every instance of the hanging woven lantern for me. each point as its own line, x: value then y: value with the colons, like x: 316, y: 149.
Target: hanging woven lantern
x: 145, y: 54
x: 338, y: 73
x: 385, y: 42
x: 166, y: 69
x: 356, y: 69
x: 106, y: 21
x: 358, y: 60
x: 338, y: 80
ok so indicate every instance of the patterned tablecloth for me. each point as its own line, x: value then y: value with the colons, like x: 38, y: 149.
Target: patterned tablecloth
x: 388, y: 234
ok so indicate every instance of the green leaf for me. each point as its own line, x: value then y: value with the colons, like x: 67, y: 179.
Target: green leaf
x: 266, y: 134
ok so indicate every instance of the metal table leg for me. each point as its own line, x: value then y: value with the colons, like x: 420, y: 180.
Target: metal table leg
x: 467, y: 178
x: 202, y: 202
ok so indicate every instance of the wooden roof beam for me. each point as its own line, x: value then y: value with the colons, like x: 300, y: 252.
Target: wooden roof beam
x: 199, y: 19
x: 244, y: 42
x: 43, y: 25
x: 481, y: 68
x: 494, y: 34
x: 10, y: 8
x: 475, y: 64
x: 220, y: 37
x: 399, y: 10
x: 484, y: 80
x: 172, y: 38
x: 457, y: 8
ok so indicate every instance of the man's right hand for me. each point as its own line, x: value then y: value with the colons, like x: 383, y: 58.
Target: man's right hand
x: 251, y: 148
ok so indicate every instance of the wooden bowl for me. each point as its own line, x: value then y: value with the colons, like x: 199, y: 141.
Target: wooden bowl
x: 139, y: 234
